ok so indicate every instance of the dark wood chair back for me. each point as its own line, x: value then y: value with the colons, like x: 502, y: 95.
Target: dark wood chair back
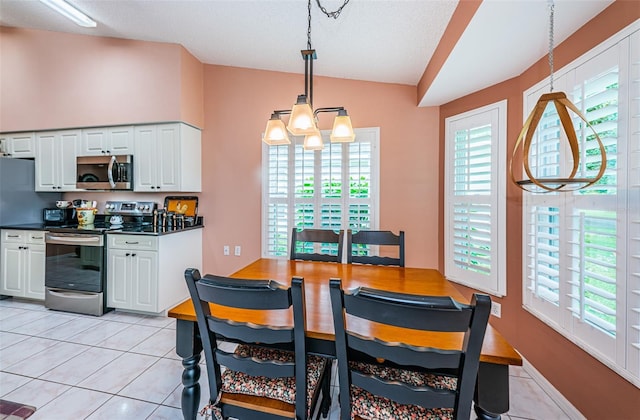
x: 423, y: 313
x: 317, y: 237
x: 262, y: 295
x: 374, y: 237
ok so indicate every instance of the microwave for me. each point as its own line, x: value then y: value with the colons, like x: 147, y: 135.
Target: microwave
x: 105, y: 172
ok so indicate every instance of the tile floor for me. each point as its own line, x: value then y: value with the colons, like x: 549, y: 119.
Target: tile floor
x: 124, y: 366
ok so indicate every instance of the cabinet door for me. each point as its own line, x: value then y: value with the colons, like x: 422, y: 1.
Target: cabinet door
x: 34, y: 271
x: 144, y: 272
x: 169, y: 157
x: 120, y: 141
x: 119, y: 279
x: 46, y: 156
x: 94, y: 142
x: 12, y: 276
x: 67, y: 153
x: 145, y: 159
x: 21, y: 145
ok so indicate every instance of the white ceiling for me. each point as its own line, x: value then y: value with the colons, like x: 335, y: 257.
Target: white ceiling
x: 376, y: 40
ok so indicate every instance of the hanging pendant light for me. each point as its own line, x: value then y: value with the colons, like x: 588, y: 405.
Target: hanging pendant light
x: 313, y: 141
x: 563, y: 105
x: 276, y: 133
x: 303, y: 120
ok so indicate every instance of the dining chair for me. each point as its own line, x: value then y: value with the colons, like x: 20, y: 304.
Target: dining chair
x: 359, y: 247
x: 306, y: 243
x: 269, y: 375
x: 391, y: 379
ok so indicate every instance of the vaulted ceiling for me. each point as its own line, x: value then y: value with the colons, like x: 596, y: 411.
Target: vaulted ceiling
x: 388, y: 41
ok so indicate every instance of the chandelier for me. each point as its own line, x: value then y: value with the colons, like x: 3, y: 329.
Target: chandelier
x: 303, y: 119
x: 562, y: 104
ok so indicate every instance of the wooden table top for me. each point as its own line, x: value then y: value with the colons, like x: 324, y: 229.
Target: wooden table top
x: 318, y: 305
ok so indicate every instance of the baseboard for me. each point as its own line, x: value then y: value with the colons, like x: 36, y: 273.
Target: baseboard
x: 555, y: 395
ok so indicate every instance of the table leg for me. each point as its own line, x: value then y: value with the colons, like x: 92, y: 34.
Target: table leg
x: 189, y: 347
x: 492, y: 391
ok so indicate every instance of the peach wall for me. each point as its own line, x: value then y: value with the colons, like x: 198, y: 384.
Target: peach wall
x: 52, y: 80
x: 238, y: 102
x: 594, y: 389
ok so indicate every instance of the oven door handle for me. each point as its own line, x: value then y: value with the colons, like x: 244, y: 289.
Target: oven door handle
x: 85, y: 240
x: 112, y: 162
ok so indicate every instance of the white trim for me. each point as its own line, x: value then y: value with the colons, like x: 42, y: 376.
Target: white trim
x: 555, y: 395
x: 590, y: 350
x: 498, y: 286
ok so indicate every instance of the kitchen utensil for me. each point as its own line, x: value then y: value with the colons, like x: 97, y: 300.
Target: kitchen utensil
x: 86, y: 216
x: 183, y: 205
x: 61, y: 204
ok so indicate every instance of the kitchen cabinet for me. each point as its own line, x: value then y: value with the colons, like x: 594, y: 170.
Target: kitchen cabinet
x: 167, y: 158
x: 101, y: 141
x: 18, y: 145
x: 56, y: 153
x: 145, y: 273
x: 22, y: 262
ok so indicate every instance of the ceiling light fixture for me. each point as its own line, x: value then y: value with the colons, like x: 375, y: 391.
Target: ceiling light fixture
x: 303, y: 120
x: 70, y: 12
x: 524, y: 141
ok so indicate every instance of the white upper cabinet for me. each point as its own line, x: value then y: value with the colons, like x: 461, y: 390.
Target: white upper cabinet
x: 56, y: 160
x: 18, y: 145
x: 167, y: 158
x: 107, y: 141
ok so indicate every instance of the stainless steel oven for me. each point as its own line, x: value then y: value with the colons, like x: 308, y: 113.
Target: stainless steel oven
x: 75, y: 272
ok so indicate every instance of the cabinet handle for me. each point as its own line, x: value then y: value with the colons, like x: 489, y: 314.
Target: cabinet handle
x: 13, y: 236
x: 127, y: 254
x: 131, y: 243
x: 133, y: 255
x: 37, y: 237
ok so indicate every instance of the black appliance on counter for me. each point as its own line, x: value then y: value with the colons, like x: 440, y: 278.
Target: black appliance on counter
x: 58, y: 216
x: 76, y: 262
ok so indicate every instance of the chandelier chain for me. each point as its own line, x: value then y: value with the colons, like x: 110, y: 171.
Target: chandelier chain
x: 335, y: 13
x: 551, y: 7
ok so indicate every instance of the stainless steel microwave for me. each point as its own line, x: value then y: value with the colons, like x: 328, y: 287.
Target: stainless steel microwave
x: 105, y: 172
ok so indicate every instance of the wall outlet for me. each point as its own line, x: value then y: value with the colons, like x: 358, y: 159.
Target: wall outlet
x: 226, y: 250
x: 496, y: 309
x: 237, y: 251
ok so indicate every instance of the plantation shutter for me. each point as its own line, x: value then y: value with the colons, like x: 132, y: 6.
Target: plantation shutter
x: 582, y: 248
x: 475, y: 199
x: 335, y: 188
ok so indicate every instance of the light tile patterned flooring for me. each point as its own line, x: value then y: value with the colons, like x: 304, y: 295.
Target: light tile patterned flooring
x: 124, y: 366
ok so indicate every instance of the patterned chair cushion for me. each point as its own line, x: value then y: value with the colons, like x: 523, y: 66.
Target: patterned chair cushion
x: 372, y: 407
x: 282, y: 389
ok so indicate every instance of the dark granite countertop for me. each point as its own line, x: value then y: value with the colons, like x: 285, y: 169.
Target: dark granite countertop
x: 140, y: 230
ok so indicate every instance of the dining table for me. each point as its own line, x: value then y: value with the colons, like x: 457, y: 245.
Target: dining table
x: 491, y: 396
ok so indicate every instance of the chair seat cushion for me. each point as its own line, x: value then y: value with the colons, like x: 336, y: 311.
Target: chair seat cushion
x: 372, y: 407
x: 283, y: 389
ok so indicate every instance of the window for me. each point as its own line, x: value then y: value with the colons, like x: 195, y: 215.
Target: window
x: 582, y: 249
x: 336, y: 188
x: 475, y: 198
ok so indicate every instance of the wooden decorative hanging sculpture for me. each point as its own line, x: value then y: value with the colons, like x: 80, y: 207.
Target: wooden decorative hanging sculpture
x: 524, y: 141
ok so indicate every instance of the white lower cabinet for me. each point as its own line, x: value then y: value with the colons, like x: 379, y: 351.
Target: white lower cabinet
x: 22, y: 262
x: 146, y: 273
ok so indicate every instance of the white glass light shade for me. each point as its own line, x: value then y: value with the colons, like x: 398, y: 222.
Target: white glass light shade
x: 301, y: 121
x: 313, y: 141
x: 275, y: 133
x: 342, y: 129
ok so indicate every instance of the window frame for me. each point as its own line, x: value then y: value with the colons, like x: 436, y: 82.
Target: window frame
x: 495, y: 115
x: 620, y: 352
x: 369, y: 134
